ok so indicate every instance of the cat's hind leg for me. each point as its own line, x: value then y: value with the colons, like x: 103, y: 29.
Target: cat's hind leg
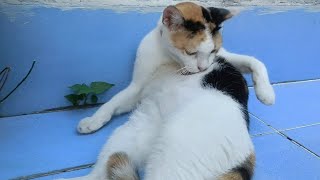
x: 243, y: 171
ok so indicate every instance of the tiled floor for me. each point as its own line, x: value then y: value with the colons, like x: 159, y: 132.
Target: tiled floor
x: 46, y: 146
x: 286, y: 137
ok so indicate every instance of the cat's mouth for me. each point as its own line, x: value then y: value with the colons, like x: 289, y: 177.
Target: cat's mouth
x: 185, y: 72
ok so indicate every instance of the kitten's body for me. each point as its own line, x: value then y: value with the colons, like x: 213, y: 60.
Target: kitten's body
x: 184, y: 126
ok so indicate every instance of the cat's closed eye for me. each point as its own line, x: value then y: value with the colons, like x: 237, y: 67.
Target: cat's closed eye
x: 213, y: 51
x: 191, y: 53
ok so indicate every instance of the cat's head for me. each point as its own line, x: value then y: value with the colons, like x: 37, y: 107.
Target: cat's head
x: 191, y: 34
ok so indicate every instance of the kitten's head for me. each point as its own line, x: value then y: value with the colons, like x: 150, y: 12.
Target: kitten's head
x: 192, y: 35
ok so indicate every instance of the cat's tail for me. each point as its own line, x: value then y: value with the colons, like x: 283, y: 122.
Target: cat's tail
x: 242, y: 172
x: 119, y: 166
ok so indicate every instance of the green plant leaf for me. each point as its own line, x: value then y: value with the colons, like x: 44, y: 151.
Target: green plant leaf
x: 100, y: 87
x: 82, y: 96
x: 81, y: 89
x: 94, y: 99
x: 73, y: 98
x: 75, y: 88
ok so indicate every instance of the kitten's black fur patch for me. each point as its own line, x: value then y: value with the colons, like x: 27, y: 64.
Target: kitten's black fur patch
x: 231, y: 82
x: 192, y: 26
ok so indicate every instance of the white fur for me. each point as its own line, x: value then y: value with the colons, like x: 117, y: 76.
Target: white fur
x: 179, y: 130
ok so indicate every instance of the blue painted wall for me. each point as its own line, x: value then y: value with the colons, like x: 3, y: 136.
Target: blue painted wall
x: 70, y: 47
x: 79, y: 46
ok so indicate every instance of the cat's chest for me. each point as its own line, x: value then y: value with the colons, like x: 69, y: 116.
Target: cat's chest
x: 166, y: 80
x: 170, y: 90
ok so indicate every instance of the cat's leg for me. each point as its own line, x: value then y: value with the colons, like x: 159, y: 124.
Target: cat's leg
x: 128, y: 147
x: 248, y: 64
x: 149, y: 57
x: 122, y: 102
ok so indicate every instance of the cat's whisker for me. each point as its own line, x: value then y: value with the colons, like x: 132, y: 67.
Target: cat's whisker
x: 183, y: 71
x: 184, y: 67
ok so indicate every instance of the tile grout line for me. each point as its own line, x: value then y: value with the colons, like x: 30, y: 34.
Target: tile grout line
x: 284, y: 130
x: 296, y: 82
x: 54, y: 172
x: 261, y: 134
x: 299, y: 127
x: 52, y: 110
x: 287, y: 137
x: 69, y: 108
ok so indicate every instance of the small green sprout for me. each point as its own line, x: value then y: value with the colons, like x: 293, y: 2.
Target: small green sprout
x: 83, y: 92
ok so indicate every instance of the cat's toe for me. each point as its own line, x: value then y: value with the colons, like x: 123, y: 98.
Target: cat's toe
x: 88, y: 125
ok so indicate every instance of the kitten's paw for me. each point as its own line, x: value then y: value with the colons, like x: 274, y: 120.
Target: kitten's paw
x: 265, y: 94
x: 89, y: 125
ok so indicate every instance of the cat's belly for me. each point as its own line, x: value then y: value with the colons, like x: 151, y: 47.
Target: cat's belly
x: 207, y: 125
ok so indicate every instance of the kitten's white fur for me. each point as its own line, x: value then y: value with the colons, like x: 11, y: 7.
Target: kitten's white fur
x: 175, y: 118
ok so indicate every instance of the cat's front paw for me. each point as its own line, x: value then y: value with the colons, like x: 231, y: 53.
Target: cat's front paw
x: 265, y: 94
x: 89, y: 125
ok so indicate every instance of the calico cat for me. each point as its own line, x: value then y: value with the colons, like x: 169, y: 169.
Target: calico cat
x: 191, y: 118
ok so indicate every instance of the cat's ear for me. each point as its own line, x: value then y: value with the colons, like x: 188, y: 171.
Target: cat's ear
x: 172, y: 18
x: 218, y: 15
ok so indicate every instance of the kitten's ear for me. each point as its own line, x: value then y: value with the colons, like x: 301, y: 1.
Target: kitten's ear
x: 172, y: 18
x: 218, y: 15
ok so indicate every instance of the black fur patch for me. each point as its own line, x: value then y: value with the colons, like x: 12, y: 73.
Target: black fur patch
x: 230, y: 81
x: 192, y: 26
x: 206, y: 14
x: 243, y: 172
x: 208, y: 18
x: 245, y: 169
x: 218, y: 15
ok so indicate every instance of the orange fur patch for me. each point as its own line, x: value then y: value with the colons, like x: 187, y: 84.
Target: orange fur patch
x: 191, y: 11
x: 186, y: 40
x: 118, y: 162
x: 217, y: 39
x: 183, y: 39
